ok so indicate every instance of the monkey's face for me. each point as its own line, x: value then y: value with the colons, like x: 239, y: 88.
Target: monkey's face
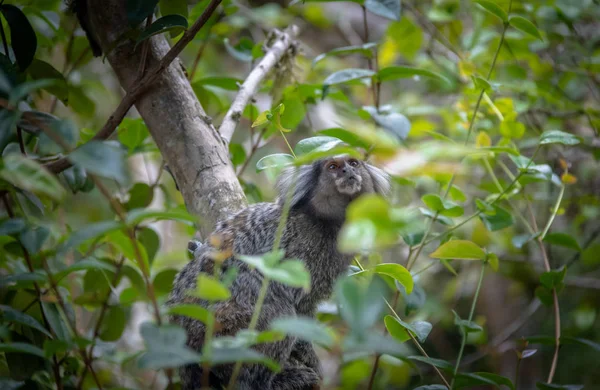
x: 346, y: 173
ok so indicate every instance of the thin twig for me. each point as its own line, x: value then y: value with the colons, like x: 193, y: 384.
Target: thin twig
x: 138, y: 88
x: 21, y: 141
x: 145, y: 50
x: 284, y: 41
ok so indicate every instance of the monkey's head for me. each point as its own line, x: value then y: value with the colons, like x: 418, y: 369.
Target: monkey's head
x: 327, y: 186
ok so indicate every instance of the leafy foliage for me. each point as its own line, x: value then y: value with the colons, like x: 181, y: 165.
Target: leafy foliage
x: 484, y: 113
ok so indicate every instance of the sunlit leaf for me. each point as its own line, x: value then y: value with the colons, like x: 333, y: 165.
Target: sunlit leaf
x: 493, y: 8
x: 402, y: 72
x: 562, y: 239
x: 460, y: 250
x: 209, y: 288
x: 520, y: 23
x: 346, y: 75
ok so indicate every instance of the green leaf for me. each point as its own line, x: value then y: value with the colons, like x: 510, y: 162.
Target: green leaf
x: 24, y: 89
x: 132, y: 133
x: 138, y: 10
x: 140, y: 196
x: 460, y: 250
x: 360, y: 307
x: 326, y: 151
x: 305, y: 328
x: 402, y: 72
x: 398, y: 273
x: 493, y: 8
x: 237, y: 154
x: 512, y: 129
x: 163, y: 281
x: 520, y: 23
x: 554, y: 278
x: 64, y: 129
x: 150, y: 240
x: 226, y: 83
x: 113, y: 325
x: 88, y: 232
x: 24, y: 279
x: 242, y: 51
x: 482, y: 84
x: 8, y: 314
x: 289, y: 272
x: 224, y: 355
x: 558, y: 137
x: 365, y: 50
x: 422, y: 330
x: 85, y: 264
x: 42, y: 70
x: 22, y: 348
x: 465, y: 325
x: 346, y: 136
x: 319, y: 143
x: 209, y: 288
x: 173, y: 7
x: 28, y: 175
x: 482, y: 378
x: 136, y: 216
x: 444, y: 207
x: 372, y: 342
x: 413, y: 301
x: 439, y: 363
x: 501, y: 219
x: 166, y: 347
x: 102, y: 158
x: 395, y: 123
x: 12, y: 226
x: 562, y: 239
x: 24, y: 40
x: 395, y: 329
x: 346, y: 75
x: 169, y: 23
x: 76, y: 178
x: 34, y: 237
x: 431, y: 387
x: 277, y: 161
x: 196, y: 312
x: 56, y: 321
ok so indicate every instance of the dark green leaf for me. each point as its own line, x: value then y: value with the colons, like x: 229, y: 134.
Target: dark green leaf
x: 138, y: 10
x: 493, y: 8
x: 34, y: 119
x: 114, y: 323
x: 413, y: 301
x: 56, y: 321
x: 76, y: 178
x: 12, y: 226
x: 140, y: 196
x: 553, y: 279
x: 42, y: 70
x: 33, y: 238
x: 8, y: 314
x: 88, y: 232
x: 434, y: 362
x: 389, y: 9
x: 24, y: 40
x: 227, y: 83
x: 554, y: 386
x: 304, y: 328
x: 237, y: 154
x: 24, y: 279
x: 22, y: 90
x: 360, y: 308
x: 169, y: 23
x: 150, y: 240
x: 163, y: 281
x: 22, y: 348
x: 465, y: 325
x: 66, y: 130
x: 520, y: 23
x: 85, y: 264
x: 242, y: 51
x: 499, y: 220
x: 239, y: 354
x: 562, y: 239
x: 102, y: 158
x: 482, y: 378
x: 402, y: 72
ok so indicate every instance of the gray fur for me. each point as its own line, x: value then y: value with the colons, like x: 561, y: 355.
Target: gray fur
x: 319, y: 203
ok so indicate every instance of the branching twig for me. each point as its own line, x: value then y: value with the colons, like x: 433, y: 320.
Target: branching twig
x: 284, y: 41
x: 140, y: 87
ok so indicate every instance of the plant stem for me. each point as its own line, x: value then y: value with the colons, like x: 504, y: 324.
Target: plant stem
x: 374, y: 86
x: 463, y: 331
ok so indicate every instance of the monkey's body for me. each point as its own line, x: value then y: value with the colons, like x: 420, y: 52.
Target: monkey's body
x: 316, y: 216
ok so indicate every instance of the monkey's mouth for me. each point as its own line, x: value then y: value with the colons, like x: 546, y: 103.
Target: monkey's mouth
x: 349, y: 185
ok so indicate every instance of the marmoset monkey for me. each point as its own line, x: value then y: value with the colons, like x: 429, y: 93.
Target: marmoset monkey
x: 321, y: 195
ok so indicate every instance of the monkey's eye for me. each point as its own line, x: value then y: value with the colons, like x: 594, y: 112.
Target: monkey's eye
x: 353, y: 163
x: 332, y: 167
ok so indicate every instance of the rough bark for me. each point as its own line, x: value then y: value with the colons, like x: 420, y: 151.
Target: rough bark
x: 184, y: 134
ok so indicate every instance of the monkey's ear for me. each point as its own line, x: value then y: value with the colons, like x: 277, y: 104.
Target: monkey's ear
x: 305, y: 178
x: 381, y: 180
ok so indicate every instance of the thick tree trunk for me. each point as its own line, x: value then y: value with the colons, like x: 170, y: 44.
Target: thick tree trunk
x: 185, y: 136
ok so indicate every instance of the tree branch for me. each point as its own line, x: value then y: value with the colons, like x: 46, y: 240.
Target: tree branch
x: 139, y: 88
x: 283, y: 42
